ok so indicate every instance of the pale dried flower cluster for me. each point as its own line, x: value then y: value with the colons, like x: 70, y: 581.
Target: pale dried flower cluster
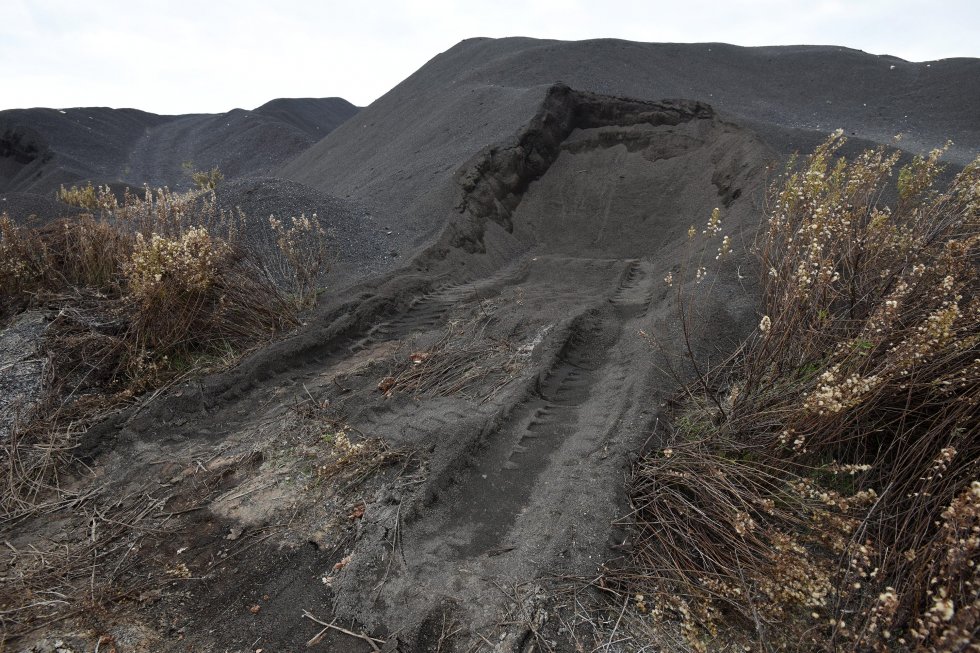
x: 834, y: 393
x: 725, y: 248
x: 867, y: 355
x: 714, y: 223
x: 190, y: 261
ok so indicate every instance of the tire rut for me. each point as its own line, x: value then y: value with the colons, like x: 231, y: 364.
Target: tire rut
x: 500, y: 485
x: 635, y: 289
x: 430, y: 310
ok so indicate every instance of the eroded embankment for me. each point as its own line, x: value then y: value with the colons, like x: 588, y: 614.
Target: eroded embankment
x: 599, y: 193
x: 493, y: 183
x: 536, y: 297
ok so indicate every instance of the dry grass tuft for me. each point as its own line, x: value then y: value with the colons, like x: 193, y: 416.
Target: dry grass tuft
x: 829, y: 496
x: 142, y: 292
x: 54, y: 578
x: 163, y: 276
x: 464, y: 362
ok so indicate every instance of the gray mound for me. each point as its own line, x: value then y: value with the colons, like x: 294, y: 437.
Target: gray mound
x: 399, y: 154
x: 43, y: 148
x: 357, y: 241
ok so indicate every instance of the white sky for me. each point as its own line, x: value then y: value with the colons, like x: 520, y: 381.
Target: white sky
x: 183, y: 56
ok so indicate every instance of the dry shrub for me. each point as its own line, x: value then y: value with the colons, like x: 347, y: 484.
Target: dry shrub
x: 64, y: 254
x: 166, y: 269
x: 464, y: 362
x: 208, y: 179
x: 829, y: 495
x: 148, y: 291
x: 82, y: 197
x: 302, y: 256
x: 195, y: 294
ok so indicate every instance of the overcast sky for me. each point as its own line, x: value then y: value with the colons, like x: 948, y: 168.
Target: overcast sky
x: 183, y: 56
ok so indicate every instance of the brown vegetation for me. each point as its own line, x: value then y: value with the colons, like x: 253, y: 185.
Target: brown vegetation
x: 822, y: 488
x: 146, y: 291
x: 143, y: 292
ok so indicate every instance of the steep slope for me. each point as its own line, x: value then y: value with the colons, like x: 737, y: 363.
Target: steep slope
x: 42, y: 148
x: 399, y: 154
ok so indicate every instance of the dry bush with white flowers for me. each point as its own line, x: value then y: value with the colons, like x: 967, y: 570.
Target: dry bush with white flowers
x: 165, y: 268
x: 143, y: 290
x: 301, y: 256
x: 828, y: 496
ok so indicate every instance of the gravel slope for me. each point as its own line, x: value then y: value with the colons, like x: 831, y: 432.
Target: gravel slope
x: 42, y: 148
x: 399, y: 154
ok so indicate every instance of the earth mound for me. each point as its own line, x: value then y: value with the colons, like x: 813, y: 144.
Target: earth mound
x: 550, y: 268
x: 41, y: 149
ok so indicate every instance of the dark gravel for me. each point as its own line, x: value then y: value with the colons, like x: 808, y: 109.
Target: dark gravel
x: 27, y: 207
x: 399, y: 154
x: 43, y: 148
x: 358, y: 241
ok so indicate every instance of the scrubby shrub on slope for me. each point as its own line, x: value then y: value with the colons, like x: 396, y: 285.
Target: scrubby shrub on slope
x: 167, y: 270
x: 207, y: 179
x: 829, y: 495
x: 143, y: 293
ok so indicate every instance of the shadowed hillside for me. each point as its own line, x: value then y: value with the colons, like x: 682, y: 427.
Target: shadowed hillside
x: 43, y: 148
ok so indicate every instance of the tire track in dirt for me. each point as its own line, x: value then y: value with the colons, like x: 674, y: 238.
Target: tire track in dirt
x: 424, y: 313
x: 635, y: 289
x: 430, y: 310
x: 503, y: 479
x: 488, y: 522
x: 499, y: 486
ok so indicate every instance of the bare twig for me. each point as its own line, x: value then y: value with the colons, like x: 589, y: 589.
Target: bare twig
x: 316, y: 639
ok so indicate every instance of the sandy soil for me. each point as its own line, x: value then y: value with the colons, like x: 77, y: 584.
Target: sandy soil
x: 505, y: 357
